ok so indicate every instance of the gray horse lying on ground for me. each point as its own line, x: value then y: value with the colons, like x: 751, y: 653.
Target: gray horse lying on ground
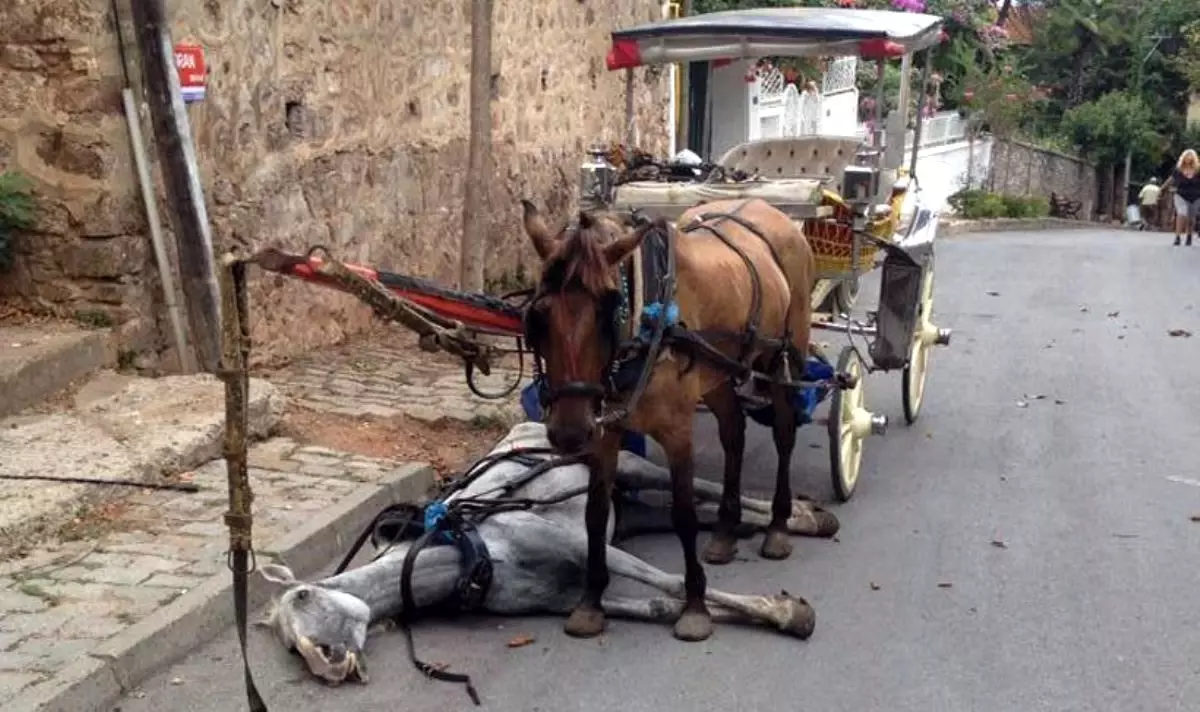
x: 538, y: 557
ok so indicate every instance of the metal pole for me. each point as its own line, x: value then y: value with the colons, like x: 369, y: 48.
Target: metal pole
x: 479, y: 151
x: 630, y: 127
x: 912, y: 164
x: 879, y: 138
x: 187, y: 360
x: 166, y: 273
x: 181, y: 176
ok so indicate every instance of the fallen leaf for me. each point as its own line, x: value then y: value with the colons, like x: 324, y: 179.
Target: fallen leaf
x: 875, y: 586
x: 1180, y: 332
x: 1059, y: 401
x: 1125, y: 536
x: 521, y: 641
x: 1195, y: 517
x: 1114, y: 314
x: 1022, y: 404
x: 1083, y: 309
x: 999, y: 544
x: 945, y: 584
x: 929, y: 435
x: 1121, y: 337
x: 993, y: 294
x: 177, y: 681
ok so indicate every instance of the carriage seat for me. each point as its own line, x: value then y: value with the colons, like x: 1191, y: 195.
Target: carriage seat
x: 795, y: 196
x: 822, y: 158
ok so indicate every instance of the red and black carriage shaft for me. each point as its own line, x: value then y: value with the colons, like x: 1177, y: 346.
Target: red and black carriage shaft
x: 475, y: 311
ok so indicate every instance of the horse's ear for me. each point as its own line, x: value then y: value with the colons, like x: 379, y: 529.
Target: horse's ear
x: 277, y: 573
x: 535, y: 227
x: 618, y: 250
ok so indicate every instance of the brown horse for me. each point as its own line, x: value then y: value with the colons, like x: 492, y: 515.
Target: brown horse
x: 740, y: 267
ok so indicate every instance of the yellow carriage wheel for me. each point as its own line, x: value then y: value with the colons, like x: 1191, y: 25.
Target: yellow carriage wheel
x: 923, y: 339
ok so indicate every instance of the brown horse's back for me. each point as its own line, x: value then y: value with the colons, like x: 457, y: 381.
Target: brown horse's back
x: 715, y: 287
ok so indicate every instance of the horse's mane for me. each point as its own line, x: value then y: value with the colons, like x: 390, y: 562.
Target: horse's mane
x: 579, y: 259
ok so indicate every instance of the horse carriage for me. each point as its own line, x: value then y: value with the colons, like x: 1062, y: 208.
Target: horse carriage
x: 859, y: 208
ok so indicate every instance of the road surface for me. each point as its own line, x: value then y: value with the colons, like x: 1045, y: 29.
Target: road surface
x: 1008, y: 553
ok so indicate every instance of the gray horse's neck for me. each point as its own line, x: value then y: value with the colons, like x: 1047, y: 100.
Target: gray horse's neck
x: 434, y: 576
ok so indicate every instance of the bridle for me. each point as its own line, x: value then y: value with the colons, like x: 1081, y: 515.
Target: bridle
x: 537, y: 328
x: 612, y: 307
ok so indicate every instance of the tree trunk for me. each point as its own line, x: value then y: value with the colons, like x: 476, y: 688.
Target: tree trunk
x: 1005, y: 10
x: 479, y: 151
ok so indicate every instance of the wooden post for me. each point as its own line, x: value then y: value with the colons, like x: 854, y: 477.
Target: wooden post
x: 479, y: 151
x: 181, y: 176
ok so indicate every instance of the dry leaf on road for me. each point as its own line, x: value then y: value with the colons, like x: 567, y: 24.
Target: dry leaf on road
x: 521, y: 641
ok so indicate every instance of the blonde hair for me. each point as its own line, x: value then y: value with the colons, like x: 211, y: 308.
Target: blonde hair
x: 1188, y: 157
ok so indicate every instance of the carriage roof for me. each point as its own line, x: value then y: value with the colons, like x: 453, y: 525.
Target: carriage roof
x: 774, y: 32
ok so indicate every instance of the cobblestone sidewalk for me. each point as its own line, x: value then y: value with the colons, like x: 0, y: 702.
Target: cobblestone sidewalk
x: 61, y: 602
x: 388, y: 376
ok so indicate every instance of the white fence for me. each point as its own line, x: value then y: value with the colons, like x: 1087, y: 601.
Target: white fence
x: 779, y: 109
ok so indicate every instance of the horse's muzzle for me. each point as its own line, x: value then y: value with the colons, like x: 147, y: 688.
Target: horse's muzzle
x: 571, y: 439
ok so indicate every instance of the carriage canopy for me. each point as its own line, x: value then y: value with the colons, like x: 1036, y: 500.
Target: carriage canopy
x: 774, y: 32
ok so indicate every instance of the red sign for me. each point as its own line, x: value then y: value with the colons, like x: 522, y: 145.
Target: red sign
x: 189, y: 61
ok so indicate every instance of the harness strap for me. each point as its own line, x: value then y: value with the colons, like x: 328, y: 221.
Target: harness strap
x: 234, y: 357
x: 753, y: 229
x: 409, y: 606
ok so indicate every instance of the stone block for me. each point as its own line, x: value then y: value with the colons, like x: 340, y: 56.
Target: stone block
x: 104, y: 259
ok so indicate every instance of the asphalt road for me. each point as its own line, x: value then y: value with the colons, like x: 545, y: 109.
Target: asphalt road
x: 1062, y: 528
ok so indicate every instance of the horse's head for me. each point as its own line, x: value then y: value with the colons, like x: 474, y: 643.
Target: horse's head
x: 572, y: 322
x: 327, y: 628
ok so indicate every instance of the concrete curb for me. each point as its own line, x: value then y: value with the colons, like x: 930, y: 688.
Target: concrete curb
x: 953, y: 228
x: 121, y: 663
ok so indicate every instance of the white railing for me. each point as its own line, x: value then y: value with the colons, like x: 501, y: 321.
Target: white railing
x: 942, y: 128
x: 842, y: 75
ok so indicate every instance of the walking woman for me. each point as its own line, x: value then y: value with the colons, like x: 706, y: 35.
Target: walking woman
x: 1186, y: 179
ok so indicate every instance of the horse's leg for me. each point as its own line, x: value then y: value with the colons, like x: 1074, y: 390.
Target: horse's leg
x: 587, y: 619
x: 776, y: 544
x: 805, y: 521
x: 731, y: 425
x: 807, y: 518
x: 694, y: 623
x: 789, y: 613
x: 665, y: 610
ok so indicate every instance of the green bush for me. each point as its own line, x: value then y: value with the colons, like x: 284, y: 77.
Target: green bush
x: 975, y: 204
x: 16, y: 212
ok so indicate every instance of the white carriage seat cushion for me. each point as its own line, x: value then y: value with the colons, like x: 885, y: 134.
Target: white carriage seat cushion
x: 654, y: 194
x: 820, y: 157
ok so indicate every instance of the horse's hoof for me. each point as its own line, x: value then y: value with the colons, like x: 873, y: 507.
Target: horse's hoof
x: 776, y: 545
x: 720, y: 550
x: 585, y: 622
x: 694, y: 625
x: 799, y: 618
x: 808, y: 519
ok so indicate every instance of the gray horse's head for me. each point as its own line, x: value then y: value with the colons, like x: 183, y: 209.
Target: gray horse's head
x: 328, y: 628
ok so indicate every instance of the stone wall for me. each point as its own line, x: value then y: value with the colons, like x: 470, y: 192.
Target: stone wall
x: 1020, y: 169
x: 340, y: 123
